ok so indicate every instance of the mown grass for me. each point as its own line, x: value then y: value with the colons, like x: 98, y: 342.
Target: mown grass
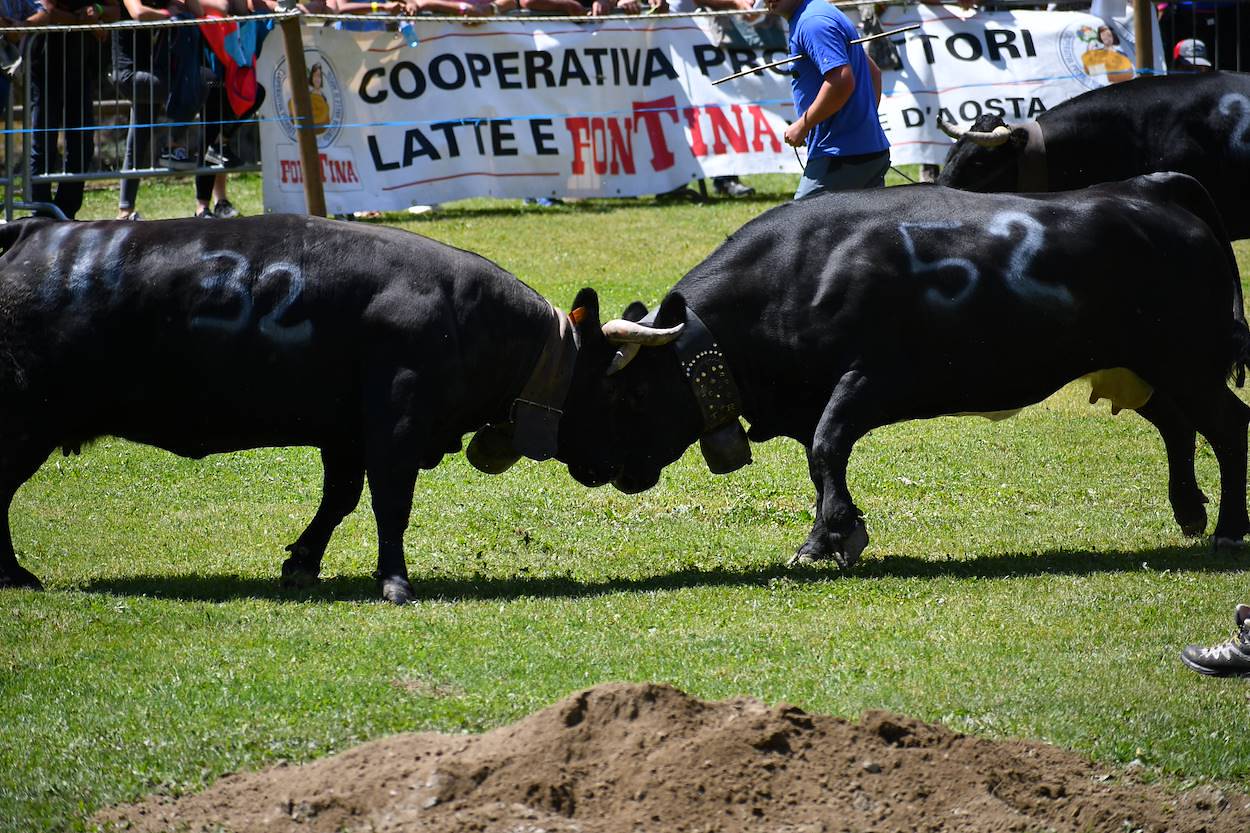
x: 1025, y: 579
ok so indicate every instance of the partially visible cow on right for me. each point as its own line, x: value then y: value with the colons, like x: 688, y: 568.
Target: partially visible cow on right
x: 828, y: 317
x: 1194, y: 124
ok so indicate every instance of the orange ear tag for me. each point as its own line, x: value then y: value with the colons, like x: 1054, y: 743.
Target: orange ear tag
x: 577, y: 316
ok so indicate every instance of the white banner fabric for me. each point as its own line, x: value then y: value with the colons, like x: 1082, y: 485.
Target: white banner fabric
x: 624, y: 106
x: 961, y: 65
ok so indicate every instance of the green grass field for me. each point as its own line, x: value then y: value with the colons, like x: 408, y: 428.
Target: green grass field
x: 1025, y: 579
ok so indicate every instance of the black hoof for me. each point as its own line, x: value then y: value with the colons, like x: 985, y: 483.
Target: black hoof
x: 301, y: 569
x: 1193, y: 524
x: 20, y: 578
x: 844, y: 550
x: 396, y: 590
x: 1227, y: 543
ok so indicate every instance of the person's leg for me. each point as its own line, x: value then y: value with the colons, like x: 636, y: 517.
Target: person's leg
x: 824, y: 174
x: 145, y: 90
x: 79, y: 140
x: 812, y: 181
x: 45, y: 104
x: 210, y: 131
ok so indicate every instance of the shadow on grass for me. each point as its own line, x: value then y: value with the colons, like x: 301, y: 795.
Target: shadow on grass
x: 1196, y: 558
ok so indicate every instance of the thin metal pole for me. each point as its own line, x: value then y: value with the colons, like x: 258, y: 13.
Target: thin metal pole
x: 305, y: 130
x: 1143, y: 33
x: 791, y: 58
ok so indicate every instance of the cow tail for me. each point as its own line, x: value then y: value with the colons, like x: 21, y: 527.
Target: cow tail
x: 1241, y: 334
x: 1241, y: 331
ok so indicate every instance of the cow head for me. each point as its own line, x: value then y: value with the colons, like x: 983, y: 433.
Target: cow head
x: 629, y: 412
x: 985, y: 157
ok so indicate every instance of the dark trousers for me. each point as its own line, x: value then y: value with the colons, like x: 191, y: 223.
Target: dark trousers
x: 147, y: 92
x: 61, y: 92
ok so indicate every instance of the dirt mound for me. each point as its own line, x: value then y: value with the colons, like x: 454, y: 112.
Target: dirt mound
x: 650, y: 758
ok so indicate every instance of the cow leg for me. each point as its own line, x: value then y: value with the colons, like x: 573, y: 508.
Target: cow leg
x: 1223, y: 421
x: 340, y: 492
x: 391, y: 483
x: 16, y: 467
x: 839, y: 531
x: 1178, y: 433
x: 394, y: 431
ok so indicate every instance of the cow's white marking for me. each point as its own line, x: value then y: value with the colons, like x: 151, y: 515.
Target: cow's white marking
x: 234, y: 284
x: 1015, y: 274
x: 1230, y: 103
x: 269, y: 325
x: 920, y: 267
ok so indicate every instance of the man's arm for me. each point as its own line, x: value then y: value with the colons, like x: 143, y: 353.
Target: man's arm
x: 835, y: 91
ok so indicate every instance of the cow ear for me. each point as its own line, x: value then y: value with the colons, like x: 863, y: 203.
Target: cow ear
x: 672, y: 311
x: 635, y: 311
x: 585, y: 316
x: 587, y: 300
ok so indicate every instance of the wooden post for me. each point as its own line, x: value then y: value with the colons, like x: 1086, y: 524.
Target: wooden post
x: 297, y: 73
x: 1144, y: 33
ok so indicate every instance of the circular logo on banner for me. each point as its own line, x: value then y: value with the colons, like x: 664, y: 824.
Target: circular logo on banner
x: 323, y: 92
x: 1093, y: 55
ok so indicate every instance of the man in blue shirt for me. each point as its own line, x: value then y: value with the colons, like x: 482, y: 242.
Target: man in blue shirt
x: 836, y: 90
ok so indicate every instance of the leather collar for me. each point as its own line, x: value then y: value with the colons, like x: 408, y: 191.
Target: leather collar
x: 536, y: 411
x: 722, y: 440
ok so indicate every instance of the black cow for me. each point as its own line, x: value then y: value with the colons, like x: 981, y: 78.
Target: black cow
x: 379, y: 347
x: 825, y: 318
x: 1195, y: 124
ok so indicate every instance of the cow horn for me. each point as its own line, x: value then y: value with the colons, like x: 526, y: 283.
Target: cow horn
x: 620, y: 331
x: 623, y: 356
x: 986, y: 139
x: 953, y: 130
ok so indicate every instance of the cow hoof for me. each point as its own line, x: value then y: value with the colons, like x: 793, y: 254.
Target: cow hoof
x: 848, y: 548
x: 299, y: 571
x: 845, y: 551
x: 1220, y: 542
x: 296, y: 578
x: 1193, y: 524
x: 397, y: 590
x: 20, y: 578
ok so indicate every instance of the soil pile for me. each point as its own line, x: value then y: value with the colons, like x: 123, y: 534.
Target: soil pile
x: 650, y: 758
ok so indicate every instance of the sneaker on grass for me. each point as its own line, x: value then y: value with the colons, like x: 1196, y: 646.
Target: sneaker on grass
x: 1230, y: 658
x: 225, y: 210
x: 177, y: 159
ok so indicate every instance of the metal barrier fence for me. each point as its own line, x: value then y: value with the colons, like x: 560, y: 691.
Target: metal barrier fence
x: 133, y: 100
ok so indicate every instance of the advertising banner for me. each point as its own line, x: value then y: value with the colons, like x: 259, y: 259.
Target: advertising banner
x: 625, y: 106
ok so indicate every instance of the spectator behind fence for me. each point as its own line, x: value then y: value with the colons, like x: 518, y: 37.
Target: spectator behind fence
x: 228, y: 62
x: 62, y: 91
x: 728, y: 185
x: 159, y: 70
x: 1190, y: 55
x: 15, y: 13
x: 479, y: 8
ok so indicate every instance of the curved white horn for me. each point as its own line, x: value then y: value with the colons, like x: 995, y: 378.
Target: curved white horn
x: 623, y: 356
x: 953, y: 130
x: 986, y: 139
x: 620, y: 331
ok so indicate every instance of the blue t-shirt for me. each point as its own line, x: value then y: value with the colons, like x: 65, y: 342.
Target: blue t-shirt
x: 822, y: 35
